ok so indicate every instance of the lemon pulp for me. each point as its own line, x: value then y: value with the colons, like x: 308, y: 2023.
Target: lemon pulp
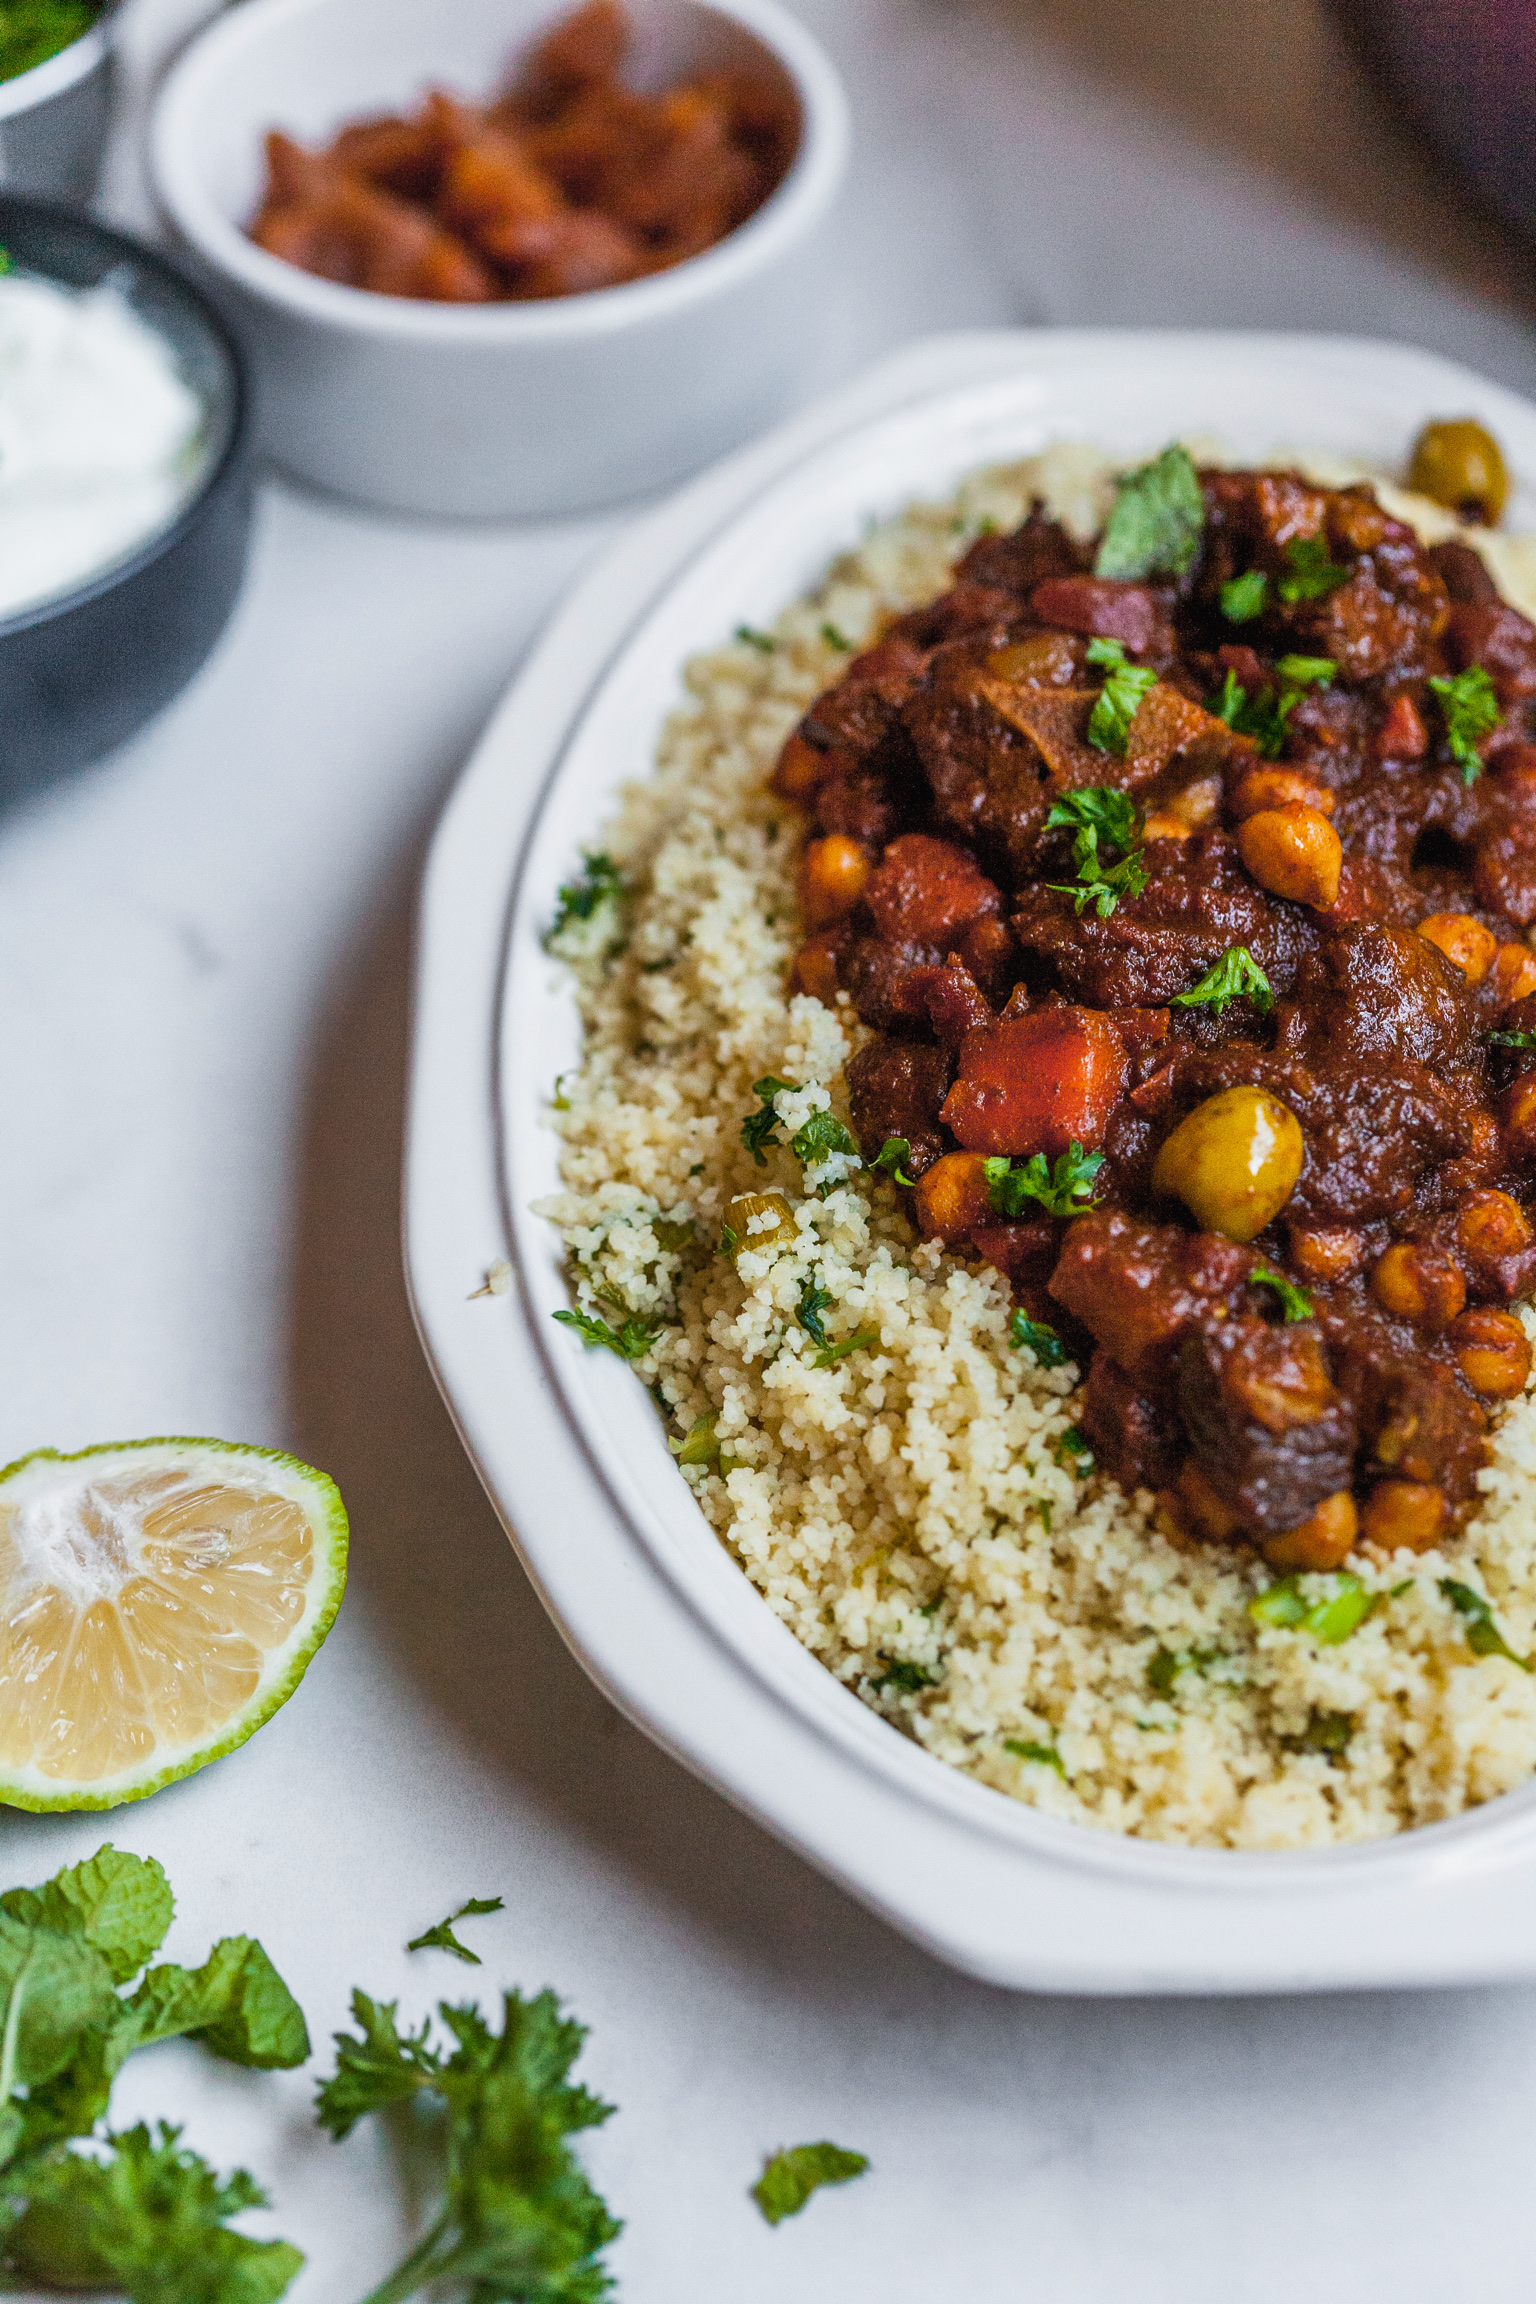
x: 158, y: 1601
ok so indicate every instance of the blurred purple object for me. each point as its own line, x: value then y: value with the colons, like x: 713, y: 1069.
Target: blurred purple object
x: 1468, y: 70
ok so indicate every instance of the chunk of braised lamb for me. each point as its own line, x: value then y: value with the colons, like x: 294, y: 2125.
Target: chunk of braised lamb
x: 1167, y: 727
x: 987, y: 778
x: 861, y: 709
x: 885, y: 981
x: 1502, y: 641
x: 1266, y: 1424
x: 872, y: 800
x: 1198, y: 903
x: 1137, y: 1288
x: 1137, y: 1441
x: 954, y: 1002
x: 1037, y: 549
x: 1465, y: 574
x: 1504, y: 847
x: 1415, y: 1421
x: 1393, y: 605
x: 895, y: 1088
x: 927, y: 891
x: 967, y: 610
x: 1378, y: 991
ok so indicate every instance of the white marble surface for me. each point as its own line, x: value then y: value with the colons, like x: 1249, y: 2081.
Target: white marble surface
x: 203, y: 1022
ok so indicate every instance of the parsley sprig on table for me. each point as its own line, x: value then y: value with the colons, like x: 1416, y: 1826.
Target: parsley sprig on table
x: 442, y: 1938
x: 1469, y: 706
x: 1098, y: 812
x: 1157, y: 519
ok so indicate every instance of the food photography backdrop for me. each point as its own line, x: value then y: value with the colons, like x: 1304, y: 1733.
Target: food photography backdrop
x: 205, y: 944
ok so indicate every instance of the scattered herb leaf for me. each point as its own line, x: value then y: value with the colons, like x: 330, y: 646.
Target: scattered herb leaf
x: 1039, y: 1337
x: 904, y: 1679
x: 442, y: 1938
x: 1156, y: 521
x: 631, y: 1340
x: 1073, y: 1446
x: 1046, y: 1754
x: 1094, y: 813
x: 1483, y: 1635
x: 1511, y: 1039
x: 1311, y: 574
x: 601, y: 882
x: 1330, y: 1614
x: 1064, y: 1188
x: 822, y: 1134
x: 1235, y: 976
x: 1469, y: 706
x: 1306, y: 671
x: 863, y: 1341
x: 1168, y: 1664
x: 814, y: 1300
x: 700, y: 1446
x: 1327, y: 1732
x: 762, y: 1128
x: 1242, y: 597
x: 763, y: 642
x: 790, y: 2177
x: 1119, y: 700
x: 1295, y: 1303
x: 834, y: 639
x: 893, y: 1156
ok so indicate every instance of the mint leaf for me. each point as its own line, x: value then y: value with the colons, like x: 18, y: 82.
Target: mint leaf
x: 236, y: 2004
x: 120, y: 1904
x: 1157, y: 520
x: 148, y: 2219
x: 442, y: 1938
x: 789, y: 2178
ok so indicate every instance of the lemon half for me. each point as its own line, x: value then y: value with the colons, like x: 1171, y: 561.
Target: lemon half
x: 159, y: 1599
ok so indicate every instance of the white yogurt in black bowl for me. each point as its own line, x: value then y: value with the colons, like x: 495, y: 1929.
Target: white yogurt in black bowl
x: 125, y: 487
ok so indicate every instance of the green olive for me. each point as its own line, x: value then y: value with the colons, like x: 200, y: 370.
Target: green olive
x: 1234, y: 1162
x: 1461, y: 466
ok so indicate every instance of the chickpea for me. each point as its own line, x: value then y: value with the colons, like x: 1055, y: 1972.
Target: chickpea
x: 1419, y: 1283
x: 1195, y: 805
x: 1293, y: 851
x: 814, y: 969
x: 1464, y: 941
x: 1492, y: 1225
x: 833, y: 872
x: 1331, y: 1252
x: 1517, y: 1118
x: 1493, y: 1352
x: 1458, y: 463
x: 1262, y: 788
x: 1403, y: 1516
x: 952, y: 1197
x: 801, y: 768
x: 1234, y: 1162
x: 1326, y: 1540
x: 747, y: 1222
x: 1514, y: 973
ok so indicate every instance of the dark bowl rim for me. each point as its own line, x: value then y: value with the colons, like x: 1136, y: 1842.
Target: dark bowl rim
x: 164, y: 540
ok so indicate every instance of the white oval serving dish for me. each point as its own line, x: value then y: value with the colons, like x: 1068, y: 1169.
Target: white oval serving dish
x: 568, y: 1443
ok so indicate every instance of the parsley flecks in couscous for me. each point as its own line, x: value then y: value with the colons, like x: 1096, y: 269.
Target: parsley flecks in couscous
x: 920, y: 1508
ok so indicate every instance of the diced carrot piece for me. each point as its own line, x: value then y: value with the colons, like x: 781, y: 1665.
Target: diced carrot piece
x: 1037, y: 1082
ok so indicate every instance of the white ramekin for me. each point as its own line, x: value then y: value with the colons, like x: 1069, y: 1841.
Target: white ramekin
x: 490, y: 411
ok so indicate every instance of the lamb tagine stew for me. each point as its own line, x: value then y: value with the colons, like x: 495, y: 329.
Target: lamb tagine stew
x: 1184, y: 881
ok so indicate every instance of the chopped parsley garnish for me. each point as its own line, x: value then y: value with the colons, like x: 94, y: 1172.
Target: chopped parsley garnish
x: 1242, y: 597
x: 904, y: 1679
x: 1098, y: 812
x: 1064, y: 1188
x: 1169, y: 1664
x: 1306, y: 671
x: 790, y: 2177
x: 1327, y: 1732
x: 834, y: 639
x: 1045, y: 1754
x: 1311, y: 574
x: 893, y: 1156
x: 1295, y: 1303
x: 631, y: 1340
x: 1157, y: 520
x: 1235, y: 976
x: 1119, y: 700
x: 1330, y: 1614
x: 601, y: 882
x: 814, y: 1300
x: 442, y: 1938
x: 1266, y: 716
x: 822, y: 1133
x: 1073, y: 1452
x: 762, y: 1129
x: 763, y: 642
x: 864, y: 1340
x: 1511, y: 1039
x: 517, y: 2219
x: 1483, y: 1635
x: 1469, y: 706
x: 1038, y: 1337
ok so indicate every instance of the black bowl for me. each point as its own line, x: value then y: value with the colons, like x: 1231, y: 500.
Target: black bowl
x: 81, y: 672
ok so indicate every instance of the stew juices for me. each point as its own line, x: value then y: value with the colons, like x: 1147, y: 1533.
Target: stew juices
x: 1185, y: 883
